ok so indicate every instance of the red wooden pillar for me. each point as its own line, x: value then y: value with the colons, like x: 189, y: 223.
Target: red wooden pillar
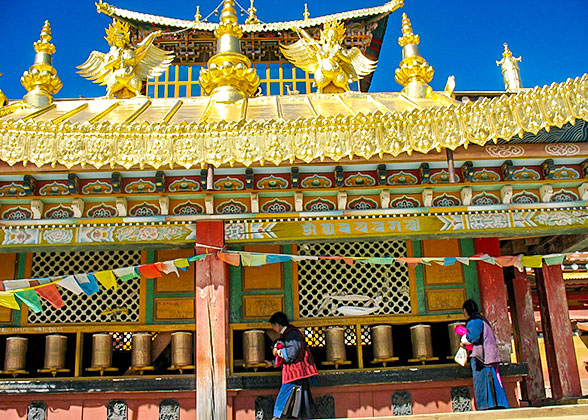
x: 557, y: 332
x: 527, y: 346
x: 493, y: 295
x: 211, y: 325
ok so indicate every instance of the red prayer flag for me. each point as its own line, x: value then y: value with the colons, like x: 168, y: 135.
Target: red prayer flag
x: 349, y: 261
x: 233, y: 259
x: 150, y: 271
x: 51, y: 294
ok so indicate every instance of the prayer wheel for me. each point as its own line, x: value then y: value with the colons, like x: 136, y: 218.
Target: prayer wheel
x: 16, y: 353
x: 454, y: 339
x: 422, y: 344
x: 141, y: 350
x: 335, y: 344
x: 253, y: 347
x: 101, y: 350
x: 382, y: 341
x: 182, y: 348
x: 55, y: 347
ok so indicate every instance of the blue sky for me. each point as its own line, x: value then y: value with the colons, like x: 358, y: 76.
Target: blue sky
x: 461, y: 38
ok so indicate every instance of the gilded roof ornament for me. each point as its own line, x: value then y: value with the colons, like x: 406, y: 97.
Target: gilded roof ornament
x: 306, y: 13
x: 229, y: 76
x: 334, y: 67
x: 414, y: 72
x: 41, y: 80
x: 510, y: 70
x: 124, y: 67
x: 3, y: 98
x: 103, y: 7
x: 197, y: 15
x: 252, y: 18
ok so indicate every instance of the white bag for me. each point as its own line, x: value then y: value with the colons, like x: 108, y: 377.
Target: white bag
x: 461, y: 357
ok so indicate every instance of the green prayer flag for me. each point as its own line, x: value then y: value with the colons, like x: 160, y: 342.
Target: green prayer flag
x: 31, y: 299
x: 554, y: 260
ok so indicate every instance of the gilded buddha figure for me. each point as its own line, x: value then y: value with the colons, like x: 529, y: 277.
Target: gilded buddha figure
x: 124, y: 67
x: 334, y: 67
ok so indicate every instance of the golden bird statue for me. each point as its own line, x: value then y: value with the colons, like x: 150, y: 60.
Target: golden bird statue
x: 334, y: 67
x: 124, y: 67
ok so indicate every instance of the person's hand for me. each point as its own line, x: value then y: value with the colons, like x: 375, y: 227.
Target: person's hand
x: 462, y: 345
x: 268, y: 364
x: 275, y: 351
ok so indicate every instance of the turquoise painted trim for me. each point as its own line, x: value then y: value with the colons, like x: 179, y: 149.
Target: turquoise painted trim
x: 173, y: 295
x: 445, y: 286
x: 263, y: 292
x: 149, y: 290
x: 235, y: 294
x: 420, y: 280
x: 287, y: 272
x: 469, y: 271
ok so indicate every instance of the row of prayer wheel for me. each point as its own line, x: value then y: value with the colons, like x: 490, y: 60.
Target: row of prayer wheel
x: 422, y: 343
x: 102, y: 347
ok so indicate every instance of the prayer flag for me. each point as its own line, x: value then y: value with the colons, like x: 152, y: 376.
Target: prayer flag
x: 107, y: 279
x: 534, y: 261
x: 70, y: 284
x: 16, y: 284
x: 277, y: 258
x: 506, y: 260
x: 554, y: 260
x: 232, y: 259
x: 168, y: 267
x: 88, y: 283
x: 31, y: 299
x: 8, y: 300
x: 378, y: 260
x: 182, y: 263
x: 349, y: 261
x: 150, y: 271
x: 245, y: 259
x: 450, y: 260
x: 258, y: 260
x: 488, y: 259
x: 463, y: 260
x: 196, y: 257
x: 51, y: 295
x: 126, y: 273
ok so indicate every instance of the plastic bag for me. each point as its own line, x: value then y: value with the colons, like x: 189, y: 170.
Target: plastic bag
x: 461, y: 357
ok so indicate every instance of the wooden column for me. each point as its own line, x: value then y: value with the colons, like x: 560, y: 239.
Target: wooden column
x: 211, y: 326
x: 525, y: 334
x: 493, y: 296
x: 557, y: 333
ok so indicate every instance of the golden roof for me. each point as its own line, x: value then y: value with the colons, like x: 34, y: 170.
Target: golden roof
x: 114, y: 11
x: 276, y: 129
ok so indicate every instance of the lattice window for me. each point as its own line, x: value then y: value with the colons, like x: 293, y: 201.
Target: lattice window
x: 122, y: 303
x: 315, y: 336
x: 323, y: 283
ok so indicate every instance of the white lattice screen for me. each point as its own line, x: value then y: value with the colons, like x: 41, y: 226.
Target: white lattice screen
x: 320, y: 280
x: 81, y: 309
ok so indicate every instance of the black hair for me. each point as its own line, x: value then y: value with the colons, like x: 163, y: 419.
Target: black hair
x: 471, y: 307
x: 279, y: 318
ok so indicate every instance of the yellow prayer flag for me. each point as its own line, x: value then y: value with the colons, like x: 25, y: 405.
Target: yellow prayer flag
x: 107, y: 279
x: 181, y: 262
x: 9, y: 300
x: 535, y: 261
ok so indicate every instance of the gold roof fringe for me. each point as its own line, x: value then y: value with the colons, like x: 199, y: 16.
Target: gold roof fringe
x: 190, y: 144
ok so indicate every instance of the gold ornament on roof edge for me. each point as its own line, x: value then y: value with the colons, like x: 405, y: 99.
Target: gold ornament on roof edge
x: 510, y: 70
x: 124, y: 67
x: 334, y: 67
x: 3, y: 98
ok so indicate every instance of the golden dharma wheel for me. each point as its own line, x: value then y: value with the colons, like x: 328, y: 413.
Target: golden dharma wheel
x: 141, y: 349
x: 382, y: 341
x: 55, y: 348
x: 253, y: 346
x: 335, y: 338
x: 422, y: 344
x: 16, y: 353
x: 101, y: 350
x: 182, y: 348
x: 454, y: 339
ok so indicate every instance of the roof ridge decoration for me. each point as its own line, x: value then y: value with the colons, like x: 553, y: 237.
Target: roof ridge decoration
x: 414, y: 72
x: 332, y: 64
x: 229, y: 77
x: 510, y: 70
x: 124, y: 67
x: 113, y: 11
x: 279, y: 141
x: 41, y: 80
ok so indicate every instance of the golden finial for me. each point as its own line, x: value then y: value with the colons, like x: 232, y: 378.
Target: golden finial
x: 197, y: 16
x: 117, y: 29
x: 306, y: 13
x: 41, y: 80
x: 252, y: 14
x: 414, y: 72
x: 229, y: 76
x: 103, y: 7
x: 3, y: 98
x: 510, y: 70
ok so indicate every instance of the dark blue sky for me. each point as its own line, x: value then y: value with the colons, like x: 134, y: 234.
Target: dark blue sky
x: 463, y: 38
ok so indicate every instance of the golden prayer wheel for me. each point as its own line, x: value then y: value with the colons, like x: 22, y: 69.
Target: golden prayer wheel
x: 454, y: 339
x: 182, y: 348
x: 55, y: 347
x: 141, y: 349
x: 253, y: 347
x: 382, y: 341
x: 101, y: 350
x: 16, y: 353
x: 335, y: 344
x: 422, y: 344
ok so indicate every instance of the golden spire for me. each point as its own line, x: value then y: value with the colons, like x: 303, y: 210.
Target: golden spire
x: 306, y: 13
x: 252, y: 14
x: 510, y: 70
x: 229, y: 76
x: 197, y: 16
x: 3, y: 98
x: 41, y: 80
x: 414, y: 72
